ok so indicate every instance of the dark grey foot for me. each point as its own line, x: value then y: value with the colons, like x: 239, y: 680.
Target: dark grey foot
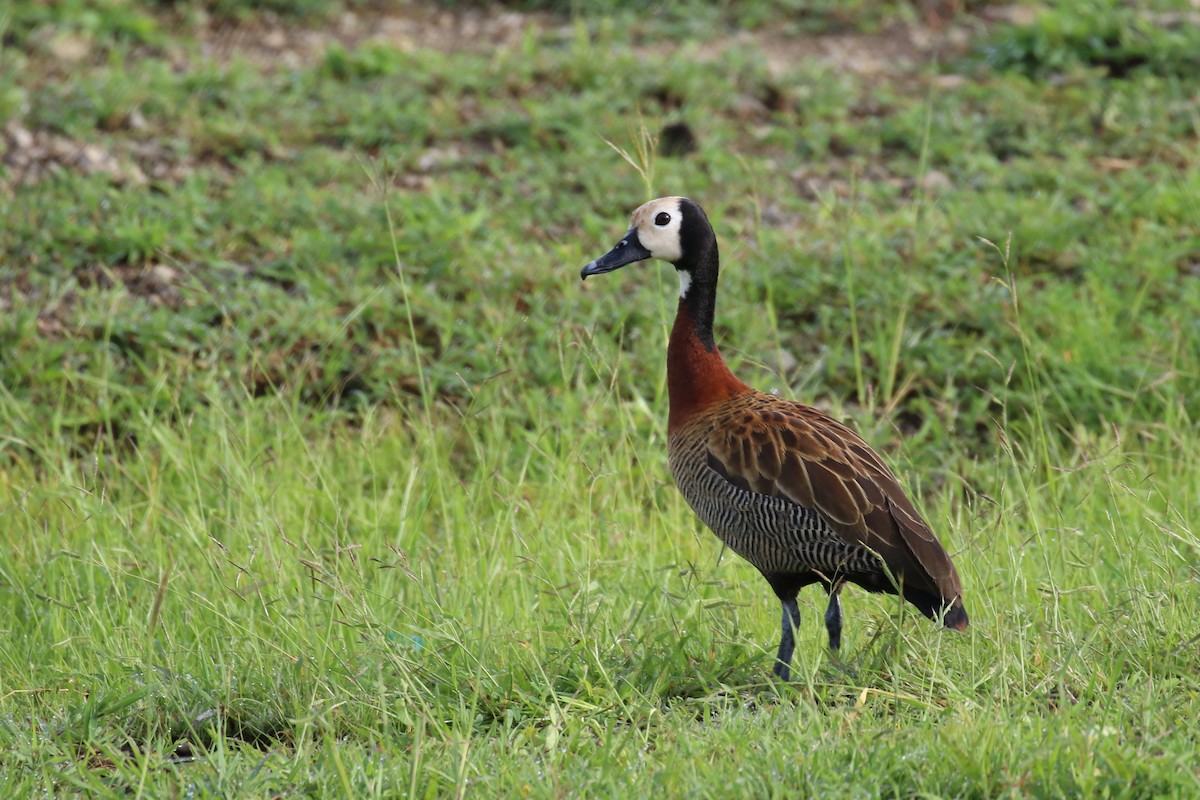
x: 787, y: 639
x: 833, y: 621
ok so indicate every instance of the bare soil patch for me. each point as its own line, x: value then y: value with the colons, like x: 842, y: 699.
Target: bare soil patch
x: 272, y: 43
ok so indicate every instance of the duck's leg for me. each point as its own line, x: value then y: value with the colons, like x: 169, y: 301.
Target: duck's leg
x: 787, y: 640
x: 833, y: 617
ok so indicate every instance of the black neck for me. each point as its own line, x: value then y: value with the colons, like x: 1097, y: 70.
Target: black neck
x: 699, y: 305
x: 702, y: 261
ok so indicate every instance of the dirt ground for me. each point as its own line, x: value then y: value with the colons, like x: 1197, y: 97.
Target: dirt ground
x: 272, y: 43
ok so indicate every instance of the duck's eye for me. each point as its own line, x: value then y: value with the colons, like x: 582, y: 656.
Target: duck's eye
x: 662, y: 219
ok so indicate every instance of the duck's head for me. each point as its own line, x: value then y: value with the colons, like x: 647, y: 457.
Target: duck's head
x: 674, y: 229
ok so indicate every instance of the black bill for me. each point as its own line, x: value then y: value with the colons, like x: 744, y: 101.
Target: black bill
x: 625, y: 252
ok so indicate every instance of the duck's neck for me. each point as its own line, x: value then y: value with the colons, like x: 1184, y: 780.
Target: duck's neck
x: 697, y: 376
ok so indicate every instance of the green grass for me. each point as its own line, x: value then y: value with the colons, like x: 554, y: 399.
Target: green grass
x: 321, y: 473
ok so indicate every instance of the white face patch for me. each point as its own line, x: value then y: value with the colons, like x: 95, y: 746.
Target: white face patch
x: 657, y: 225
x: 685, y: 282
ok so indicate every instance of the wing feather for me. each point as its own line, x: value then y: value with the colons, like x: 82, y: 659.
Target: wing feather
x: 792, y: 451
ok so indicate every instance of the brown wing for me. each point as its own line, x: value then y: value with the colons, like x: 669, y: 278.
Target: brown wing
x: 792, y: 451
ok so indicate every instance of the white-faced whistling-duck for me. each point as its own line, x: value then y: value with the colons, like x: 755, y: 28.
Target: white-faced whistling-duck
x: 796, y: 493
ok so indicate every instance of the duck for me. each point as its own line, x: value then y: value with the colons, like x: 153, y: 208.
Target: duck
x: 790, y: 489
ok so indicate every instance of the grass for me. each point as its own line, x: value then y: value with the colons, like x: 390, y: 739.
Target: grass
x: 321, y: 474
